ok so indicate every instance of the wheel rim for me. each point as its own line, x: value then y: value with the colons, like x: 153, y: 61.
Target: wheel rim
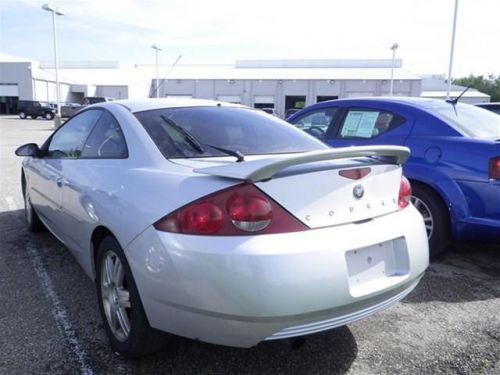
x: 22, y: 115
x: 115, y: 296
x: 47, y: 116
x: 426, y: 214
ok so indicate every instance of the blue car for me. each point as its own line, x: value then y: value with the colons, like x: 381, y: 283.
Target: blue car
x: 455, y: 163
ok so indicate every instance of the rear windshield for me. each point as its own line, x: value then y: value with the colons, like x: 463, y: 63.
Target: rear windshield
x: 245, y: 130
x: 471, y: 121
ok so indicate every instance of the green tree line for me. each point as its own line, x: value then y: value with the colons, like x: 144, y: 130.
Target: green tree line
x: 489, y: 85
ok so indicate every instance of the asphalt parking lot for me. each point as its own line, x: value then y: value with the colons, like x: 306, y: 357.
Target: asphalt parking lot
x: 49, y: 321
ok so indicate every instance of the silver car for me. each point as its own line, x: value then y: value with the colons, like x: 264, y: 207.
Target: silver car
x: 70, y: 109
x: 221, y: 223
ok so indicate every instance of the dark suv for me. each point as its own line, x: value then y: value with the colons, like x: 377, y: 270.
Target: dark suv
x: 34, y: 109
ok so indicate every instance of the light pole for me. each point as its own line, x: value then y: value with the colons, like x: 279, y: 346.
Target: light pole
x: 156, y: 48
x: 394, y: 47
x: 451, y: 50
x: 55, y: 11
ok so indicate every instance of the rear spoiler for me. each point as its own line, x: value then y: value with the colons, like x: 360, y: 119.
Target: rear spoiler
x: 265, y: 169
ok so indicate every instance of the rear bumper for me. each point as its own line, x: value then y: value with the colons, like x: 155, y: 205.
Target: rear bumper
x: 238, y: 291
x: 380, y: 303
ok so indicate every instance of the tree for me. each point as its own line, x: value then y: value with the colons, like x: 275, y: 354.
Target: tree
x: 489, y: 85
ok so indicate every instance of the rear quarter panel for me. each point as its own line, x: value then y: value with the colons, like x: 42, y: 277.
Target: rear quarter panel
x: 456, y: 167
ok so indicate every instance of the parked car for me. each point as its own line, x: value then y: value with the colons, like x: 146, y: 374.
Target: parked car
x: 221, y: 223
x: 290, y: 111
x: 69, y: 109
x: 96, y: 99
x: 34, y: 109
x: 493, y: 107
x: 269, y: 110
x: 454, y: 168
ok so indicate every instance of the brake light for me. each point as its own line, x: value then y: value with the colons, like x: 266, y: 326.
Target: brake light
x: 404, y: 193
x: 238, y: 210
x: 494, y: 170
x: 355, y: 174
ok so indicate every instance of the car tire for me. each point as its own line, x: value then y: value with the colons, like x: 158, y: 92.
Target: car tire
x: 22, y: 115
x: 436, y: 217
x: 33, y: 222
x: 34, y: 117
x: 49, y: 116
x: 125, y: 321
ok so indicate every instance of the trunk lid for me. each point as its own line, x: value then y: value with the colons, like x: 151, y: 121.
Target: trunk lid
x: 320, y: 188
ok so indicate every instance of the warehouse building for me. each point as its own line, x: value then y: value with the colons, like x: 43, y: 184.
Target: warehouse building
x: 277, y: 84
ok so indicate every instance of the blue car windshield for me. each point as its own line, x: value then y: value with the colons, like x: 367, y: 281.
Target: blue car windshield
x: 247, y: 131
x: 471, y: 121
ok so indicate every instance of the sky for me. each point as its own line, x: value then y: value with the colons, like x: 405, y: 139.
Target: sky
x: 222, y: 31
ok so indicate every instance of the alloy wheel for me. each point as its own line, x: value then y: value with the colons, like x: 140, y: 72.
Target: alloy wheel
x: 115, y: 296
x: 426, y: 214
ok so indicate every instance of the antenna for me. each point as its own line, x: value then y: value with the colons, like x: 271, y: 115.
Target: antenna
x: 455, y: 101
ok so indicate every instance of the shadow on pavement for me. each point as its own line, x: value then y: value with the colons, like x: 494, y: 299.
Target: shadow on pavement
x: 330, y: 352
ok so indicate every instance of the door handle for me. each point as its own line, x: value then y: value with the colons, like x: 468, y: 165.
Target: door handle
x: 60, y: 182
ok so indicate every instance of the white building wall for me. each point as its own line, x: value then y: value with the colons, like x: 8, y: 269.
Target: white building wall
x: 18, y: 73
x: 115, y: 92
x: 46, y: 91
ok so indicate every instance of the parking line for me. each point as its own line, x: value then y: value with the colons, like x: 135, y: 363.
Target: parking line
x: 11, y: 203
x: 58, y: 311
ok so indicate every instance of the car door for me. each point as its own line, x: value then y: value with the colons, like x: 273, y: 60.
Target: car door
x: 47, y: 175
x: 367, y: 125
x: 85, y: 184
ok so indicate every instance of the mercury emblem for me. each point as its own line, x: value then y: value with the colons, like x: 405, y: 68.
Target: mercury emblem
x: 358, y: 191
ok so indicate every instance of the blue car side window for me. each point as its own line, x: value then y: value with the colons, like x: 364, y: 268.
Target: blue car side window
x: 367, y: 123
x: 316, y: 122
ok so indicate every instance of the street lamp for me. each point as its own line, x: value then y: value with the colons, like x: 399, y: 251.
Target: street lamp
x: 55, y: 11
x: 451, y: 50
x: 156, y: 48
x: 394, y: 47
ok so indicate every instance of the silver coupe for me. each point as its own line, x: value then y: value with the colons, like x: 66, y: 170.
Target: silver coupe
x: 222, y: 223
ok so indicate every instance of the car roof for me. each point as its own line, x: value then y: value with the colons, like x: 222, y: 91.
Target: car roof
x: 153, y: 103
x: 423, y: 103
x: 487, y: 104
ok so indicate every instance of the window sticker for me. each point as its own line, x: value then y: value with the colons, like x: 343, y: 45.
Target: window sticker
x: 359, y: 124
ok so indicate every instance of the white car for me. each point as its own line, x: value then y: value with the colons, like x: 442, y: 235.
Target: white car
x: 221, y: 223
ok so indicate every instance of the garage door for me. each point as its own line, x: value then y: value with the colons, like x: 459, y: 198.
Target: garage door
x: 229, y: 98
x: 263, y: 99
x: 9, y: 89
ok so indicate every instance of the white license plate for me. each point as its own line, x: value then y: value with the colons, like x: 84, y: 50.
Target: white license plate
x: 376, y: 267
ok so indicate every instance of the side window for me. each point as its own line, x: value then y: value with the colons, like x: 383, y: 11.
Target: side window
x: 68, y: 141
x: 316, y: 122
x: 106, y: 140
x: 367, y: 123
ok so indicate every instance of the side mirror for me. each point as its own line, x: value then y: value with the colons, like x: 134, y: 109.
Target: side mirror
x: 29, y: 149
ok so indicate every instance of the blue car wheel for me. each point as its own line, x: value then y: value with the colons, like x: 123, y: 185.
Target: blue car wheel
x: 436, y: 217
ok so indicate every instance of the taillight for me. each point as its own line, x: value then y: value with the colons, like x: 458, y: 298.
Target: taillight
x: 238, y: 210
x: 250, y: 213
x: 494, y: 170
x: 404, y: 193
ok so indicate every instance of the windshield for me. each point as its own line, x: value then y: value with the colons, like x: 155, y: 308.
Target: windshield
x: 247, y: 131
x: 471, y: 121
